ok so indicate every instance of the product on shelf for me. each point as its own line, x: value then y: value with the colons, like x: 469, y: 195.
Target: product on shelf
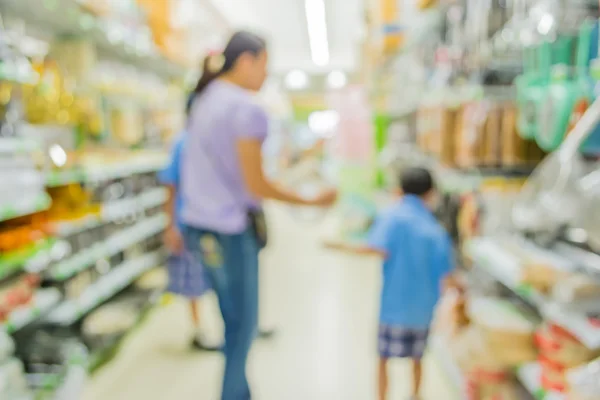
x: 483, y: 384
x: 16, y: 292
x: 576, y: 288
x: 12, y: 379
x: 508, y: 334
x: 441, y: 137
x: 584, y: 382
x: 71, y: 202
x: 155, y: 279
x: 543, y: 274
x: 514, y: 147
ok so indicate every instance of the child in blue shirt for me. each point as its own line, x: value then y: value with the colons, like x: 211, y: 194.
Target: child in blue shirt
x: 187, y: 277
x: 417, y: 258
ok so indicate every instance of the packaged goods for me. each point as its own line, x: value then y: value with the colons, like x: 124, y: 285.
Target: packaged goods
x: 75, y: 57
x: 542, y: 276
x: 514, y: 147
x: 424, y: 129
x: 560, y: 348
x: 576, y: 287
x: 584, y: 382
x: 491, y: 385
x: 152, y: 280
x: 492, y: 137
x: 470, y: 137
x: 507, y: 334
x: 442, y: 141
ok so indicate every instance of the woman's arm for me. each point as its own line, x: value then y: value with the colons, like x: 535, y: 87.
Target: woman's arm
x: 250, y: 155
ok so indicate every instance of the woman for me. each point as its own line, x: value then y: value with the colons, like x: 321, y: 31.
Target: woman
x: 222, y: 185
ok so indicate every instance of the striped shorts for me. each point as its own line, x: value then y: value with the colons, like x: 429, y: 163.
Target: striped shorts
x: 399, y: 342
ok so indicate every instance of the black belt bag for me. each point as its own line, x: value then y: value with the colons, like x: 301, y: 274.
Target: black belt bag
x: 258, y: 224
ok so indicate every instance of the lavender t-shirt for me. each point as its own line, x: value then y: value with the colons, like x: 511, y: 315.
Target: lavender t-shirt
x: 214, y: 194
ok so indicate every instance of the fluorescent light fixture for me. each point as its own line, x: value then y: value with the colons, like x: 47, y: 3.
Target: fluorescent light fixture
x: 296, y: 80
x: 316, y: 22
x: 336, y: 79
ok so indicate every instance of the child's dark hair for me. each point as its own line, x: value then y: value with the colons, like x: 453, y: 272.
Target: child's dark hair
x: 417, y: 181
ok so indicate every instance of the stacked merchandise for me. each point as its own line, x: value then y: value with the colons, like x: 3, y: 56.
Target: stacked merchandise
x: 12, y: 377
x: 584, y: 382
x: 489, y: 337
x: 84, y: 116
x: 477, y: 134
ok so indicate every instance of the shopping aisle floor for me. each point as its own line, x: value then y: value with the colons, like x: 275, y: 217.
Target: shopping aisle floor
x: 324, y: 306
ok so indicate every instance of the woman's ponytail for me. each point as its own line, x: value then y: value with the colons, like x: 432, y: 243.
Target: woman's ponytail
x: 216, y: 64
x: 212, y: 67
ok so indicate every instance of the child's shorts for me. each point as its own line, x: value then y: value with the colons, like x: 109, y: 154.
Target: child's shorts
x: 399, y: 342
x: 187, y: 276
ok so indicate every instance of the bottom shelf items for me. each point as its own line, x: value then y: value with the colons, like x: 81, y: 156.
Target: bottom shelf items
x: 448, y: 364
x: 530, y: 376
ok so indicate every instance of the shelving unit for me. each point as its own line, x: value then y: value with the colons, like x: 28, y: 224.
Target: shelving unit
x: 24, y: 207
x: 44, y: 301
x: 122, y: 233
x: 66, y: 17
x: 69, y: 312
x: 440, y: 350
x: 507, y: 270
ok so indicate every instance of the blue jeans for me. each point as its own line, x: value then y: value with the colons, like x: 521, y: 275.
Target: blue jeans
x: 231, y: 262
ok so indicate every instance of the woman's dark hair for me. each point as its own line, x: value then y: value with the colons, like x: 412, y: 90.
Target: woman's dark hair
x: 241, y: 42
x: 417, y: 181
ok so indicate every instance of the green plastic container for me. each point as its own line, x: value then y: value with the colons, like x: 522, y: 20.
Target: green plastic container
x: 532, y: 87
x: 565, y: 90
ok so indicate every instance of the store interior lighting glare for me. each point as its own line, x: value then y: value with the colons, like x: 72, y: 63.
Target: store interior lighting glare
x: 316, y: 21
x: 545, y: 24
x: 296, y: 80
x: 323, y: 123
x: 336, y: 79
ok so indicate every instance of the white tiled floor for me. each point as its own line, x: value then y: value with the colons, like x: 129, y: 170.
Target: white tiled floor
x: 324, y: 306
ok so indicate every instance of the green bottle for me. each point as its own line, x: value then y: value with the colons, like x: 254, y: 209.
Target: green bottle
x: 565, y: 89
x: 532, y: 87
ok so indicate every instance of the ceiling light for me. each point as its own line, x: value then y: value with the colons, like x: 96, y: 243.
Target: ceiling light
x: 316, y: 22
x: 336, y: 79
x: 546, y: 23
x: 296, y: 80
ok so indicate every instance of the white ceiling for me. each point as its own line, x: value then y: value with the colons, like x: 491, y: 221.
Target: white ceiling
x: 283, y: 23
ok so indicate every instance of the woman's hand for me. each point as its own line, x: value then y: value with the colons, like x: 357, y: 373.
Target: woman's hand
x: 173, y: 240
x: 326, y: 199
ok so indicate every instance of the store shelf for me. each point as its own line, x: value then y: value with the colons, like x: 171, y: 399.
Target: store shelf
x: 105, y: 172
x: 128, y: 207
x: 28, y: 205
x: 66, y: 17
x: 32, y: 259
x: 113, y: 210
x: 43, y: 302
x: 106, y: 287
x: 529, y: 375
x: 17, y: 145
x: 73, y: 384
x: 448, y: 365
x: 116, y: 243
x: 506, y: 269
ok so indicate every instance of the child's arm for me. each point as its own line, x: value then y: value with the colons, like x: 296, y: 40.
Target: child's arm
x: 355, y: 248
x: 447, y: 264
x: 378, y: 241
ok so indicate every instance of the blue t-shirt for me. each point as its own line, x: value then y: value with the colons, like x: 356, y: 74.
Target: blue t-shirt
x: 171, y: 176
x: 419, y: 256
